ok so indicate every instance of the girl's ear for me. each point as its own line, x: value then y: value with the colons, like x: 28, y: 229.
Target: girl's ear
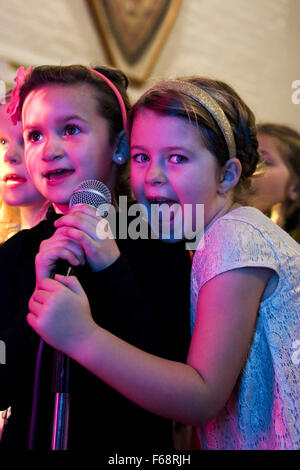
x: 293, y: 192
x: 121, y: 149
x: 230, y: 175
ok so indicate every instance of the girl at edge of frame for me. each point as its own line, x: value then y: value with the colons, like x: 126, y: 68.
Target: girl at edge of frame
x: 193, y: 141
x: 64, y: 122
x: 277, y: 193
x: 22, y: 206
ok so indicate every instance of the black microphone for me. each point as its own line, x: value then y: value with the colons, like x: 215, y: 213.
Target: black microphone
x: 97, y: 195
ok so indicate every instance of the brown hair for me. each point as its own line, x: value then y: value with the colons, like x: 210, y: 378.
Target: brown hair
x: 171, y: 102
x: 107, y: 103
x: 287, y: 142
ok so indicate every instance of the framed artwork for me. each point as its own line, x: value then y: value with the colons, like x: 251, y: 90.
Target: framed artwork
x: 134, y: 31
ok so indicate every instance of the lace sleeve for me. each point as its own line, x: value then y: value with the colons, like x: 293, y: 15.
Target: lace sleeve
x: 231, y: 244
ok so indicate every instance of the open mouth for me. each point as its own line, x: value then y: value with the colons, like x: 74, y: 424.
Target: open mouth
x: 163, y: 204
x: 161, y: 201
x: 163, y: 210
x: 14, y: 178
x: 57, y: 175
x: 165, y: 218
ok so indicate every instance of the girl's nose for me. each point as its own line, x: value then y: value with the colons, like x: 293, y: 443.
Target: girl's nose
x: 155, y: 175
x: 13, y: 154
x: 52, y: 149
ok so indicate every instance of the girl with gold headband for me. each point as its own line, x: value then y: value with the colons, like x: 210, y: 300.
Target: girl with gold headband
x: 193, y: 141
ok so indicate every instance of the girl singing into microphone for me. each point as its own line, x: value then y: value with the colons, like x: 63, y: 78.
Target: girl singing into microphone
x: 73, y: 126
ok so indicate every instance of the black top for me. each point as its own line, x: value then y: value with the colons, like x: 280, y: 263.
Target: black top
x: 143, y: 298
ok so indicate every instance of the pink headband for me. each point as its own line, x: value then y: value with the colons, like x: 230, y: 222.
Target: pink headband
x: 13, y: 107
x: 117, y: 94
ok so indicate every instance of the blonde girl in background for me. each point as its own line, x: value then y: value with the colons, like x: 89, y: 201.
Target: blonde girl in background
x: 21, y: 206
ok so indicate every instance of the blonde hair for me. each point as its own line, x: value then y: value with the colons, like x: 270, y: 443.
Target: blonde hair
x: 287, y: 142
x: 10, y: 221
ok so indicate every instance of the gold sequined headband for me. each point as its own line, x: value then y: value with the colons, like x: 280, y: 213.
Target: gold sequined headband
x: 207, y: 102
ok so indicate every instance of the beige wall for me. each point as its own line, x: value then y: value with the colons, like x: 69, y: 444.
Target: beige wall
x: 252, y: 44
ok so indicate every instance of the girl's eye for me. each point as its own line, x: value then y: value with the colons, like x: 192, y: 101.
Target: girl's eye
x: 70, y: 129
x: 34, y: 136
x: 267, y: 162
x: 3, y: 141
x: 140, y: 158
x: 177, y: 159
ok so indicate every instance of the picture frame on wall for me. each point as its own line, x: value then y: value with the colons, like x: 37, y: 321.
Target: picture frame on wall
x: 134, y: 32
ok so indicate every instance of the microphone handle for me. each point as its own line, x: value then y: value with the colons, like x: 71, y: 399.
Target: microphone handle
x: 60, y: 384
x: 61, y: 410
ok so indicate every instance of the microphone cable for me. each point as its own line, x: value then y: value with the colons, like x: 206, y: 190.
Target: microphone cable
x: 35, y: 397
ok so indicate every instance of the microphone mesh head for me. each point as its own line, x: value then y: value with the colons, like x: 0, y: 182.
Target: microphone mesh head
x: 91, y: 192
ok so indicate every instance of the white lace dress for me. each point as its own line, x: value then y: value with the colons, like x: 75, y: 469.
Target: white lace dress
x: 263, y: 411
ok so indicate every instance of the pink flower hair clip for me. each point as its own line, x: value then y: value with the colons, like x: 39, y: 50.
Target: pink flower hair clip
x: 13, y: 106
